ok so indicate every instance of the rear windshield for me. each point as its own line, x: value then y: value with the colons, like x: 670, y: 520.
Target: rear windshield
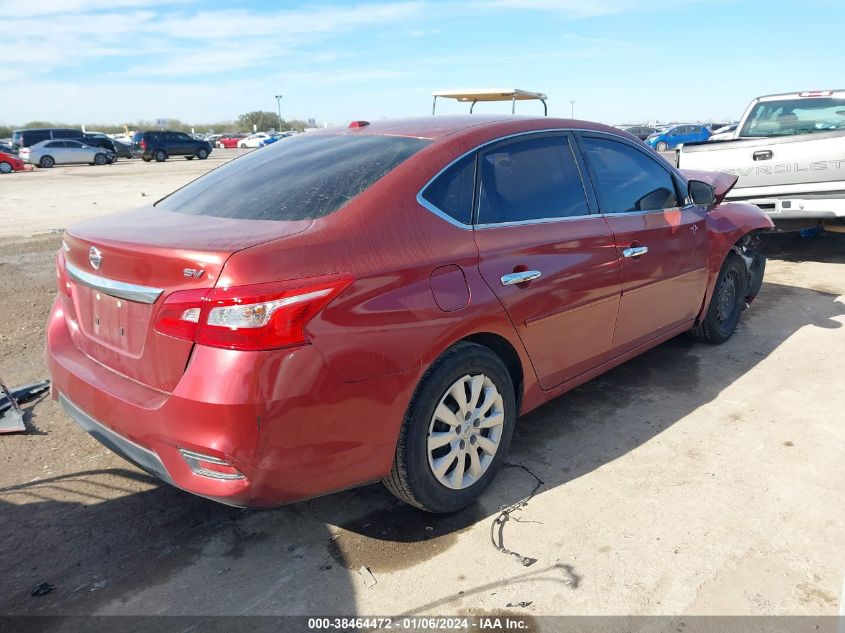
x: 298, y: 178
x: 795, y: 116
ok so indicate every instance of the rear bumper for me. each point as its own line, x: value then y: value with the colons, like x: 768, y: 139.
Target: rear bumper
x: 282, y: 419
x: 821, y: 207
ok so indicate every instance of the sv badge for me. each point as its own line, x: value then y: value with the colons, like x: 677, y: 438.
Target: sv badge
x: 192, y: 273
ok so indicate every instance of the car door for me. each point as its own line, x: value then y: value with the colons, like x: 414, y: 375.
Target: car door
x: 76, y: 152
x: 175, y: 144
x: 59, y: 151
x: 551, y: 262
x: 661, y: 241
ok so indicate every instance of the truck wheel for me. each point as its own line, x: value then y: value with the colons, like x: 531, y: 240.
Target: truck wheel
x: 456, y: 431
x: 662, y: 146
x: 726, y: 304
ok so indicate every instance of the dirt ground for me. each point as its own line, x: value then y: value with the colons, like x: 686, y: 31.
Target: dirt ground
x: 691, y: 480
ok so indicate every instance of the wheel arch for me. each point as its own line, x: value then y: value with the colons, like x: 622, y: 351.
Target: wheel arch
x: 503, y: 348
x: 730, y: 226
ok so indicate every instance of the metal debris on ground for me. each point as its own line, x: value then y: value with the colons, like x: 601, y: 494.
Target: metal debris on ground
x: 367, y: 575
x: 520, y: 604
x: 11, y: 416
x: 497, y: 536
x: 42, y: 590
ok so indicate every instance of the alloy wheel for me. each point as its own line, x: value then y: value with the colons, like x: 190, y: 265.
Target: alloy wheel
x: 465, y: 431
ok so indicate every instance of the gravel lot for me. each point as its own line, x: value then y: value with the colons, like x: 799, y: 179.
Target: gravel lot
x: 691, y: 480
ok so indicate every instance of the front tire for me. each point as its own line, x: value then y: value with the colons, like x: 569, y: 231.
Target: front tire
x: 662, y: 146
x: 5, y: 168
x: 243, y: 145
x: 100, y: 159
x: 202, y: 153
x: 726, y: 304
x: 456, y: 431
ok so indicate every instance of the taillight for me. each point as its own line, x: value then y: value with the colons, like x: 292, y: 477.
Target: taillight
x: 62, y: 282
x: 257, y: 317
x: 143, y: 144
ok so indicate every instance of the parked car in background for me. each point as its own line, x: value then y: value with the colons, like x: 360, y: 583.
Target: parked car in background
x: 723, y: 133
x: 213, y: 138
x: 66, y: 152
x: 642, y: 132
x: 161, y: 145
x: 7, y: 148
x: 230, y: 141
x: 236, y: 352
x: 9, y: 163
x: 253, y: 140
x: 678, y: 134
x: 122, y: 150
x: 788, y: 152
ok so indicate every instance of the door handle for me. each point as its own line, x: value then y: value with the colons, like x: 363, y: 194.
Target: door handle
x: 635, y: 251
x: 764, y: 154
x: 520, y: 277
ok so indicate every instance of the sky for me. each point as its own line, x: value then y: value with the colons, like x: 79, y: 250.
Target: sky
x: 116, y: 61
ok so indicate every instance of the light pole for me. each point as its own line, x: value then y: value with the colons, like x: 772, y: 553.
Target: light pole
x: 279, y: 104
x: 572, y: 106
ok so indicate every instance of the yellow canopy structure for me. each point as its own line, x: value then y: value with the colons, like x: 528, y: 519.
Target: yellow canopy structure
x: 490, y: 94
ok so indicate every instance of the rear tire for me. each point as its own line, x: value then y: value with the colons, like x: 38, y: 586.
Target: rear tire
x: 243, y: 145
x: 202, y: 153
x: 726, y: 304
x: 450, y: 447
x: 46, y: 162
x: 5, y: 168
x: 160, y: 155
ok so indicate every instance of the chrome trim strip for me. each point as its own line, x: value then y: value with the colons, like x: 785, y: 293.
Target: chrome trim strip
x: 119, y: 289
x: 129, y: 450
x: 445, y: 216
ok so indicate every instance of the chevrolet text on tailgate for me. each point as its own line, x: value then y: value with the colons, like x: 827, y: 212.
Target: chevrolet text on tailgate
x: 381, y: 302
x: 788, y: 152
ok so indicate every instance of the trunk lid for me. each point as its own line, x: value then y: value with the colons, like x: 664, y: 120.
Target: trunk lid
x: 123, y: 266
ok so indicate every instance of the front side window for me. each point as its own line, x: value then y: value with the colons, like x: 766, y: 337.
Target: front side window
x: 451, y: 192
x: 626, y: 179
x: 530, y: 179
x: 303, y: 177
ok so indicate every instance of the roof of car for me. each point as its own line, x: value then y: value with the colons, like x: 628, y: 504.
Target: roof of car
x: 435, y: 127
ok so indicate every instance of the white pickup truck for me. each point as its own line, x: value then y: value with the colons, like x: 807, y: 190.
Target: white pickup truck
x: 789, y: 154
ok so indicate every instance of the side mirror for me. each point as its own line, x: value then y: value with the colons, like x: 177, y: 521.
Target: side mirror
x: 701, y: 193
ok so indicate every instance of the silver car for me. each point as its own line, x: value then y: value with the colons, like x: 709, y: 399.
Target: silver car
x: 64, y: 152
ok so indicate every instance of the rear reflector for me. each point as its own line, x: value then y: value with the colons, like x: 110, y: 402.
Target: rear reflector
x: 257, y: 317
x: 208, y: 466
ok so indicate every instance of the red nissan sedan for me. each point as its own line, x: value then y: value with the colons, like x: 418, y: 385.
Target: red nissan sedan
x: 381, y: 302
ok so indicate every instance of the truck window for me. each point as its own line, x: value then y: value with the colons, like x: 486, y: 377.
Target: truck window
x: 788, y: 117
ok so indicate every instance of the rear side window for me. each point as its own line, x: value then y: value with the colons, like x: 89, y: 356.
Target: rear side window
x: 451, y: 192
x: 628, y: 180
x: 530, y: 180
x: 295, y: 179
x: 36, y: 136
